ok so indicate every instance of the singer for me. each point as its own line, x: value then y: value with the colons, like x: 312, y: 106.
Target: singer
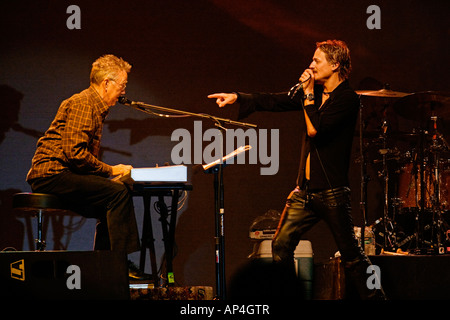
x: 329, y: 109
x: 66, y: 162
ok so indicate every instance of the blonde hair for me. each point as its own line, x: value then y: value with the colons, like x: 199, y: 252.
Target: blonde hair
x: 108, y: 66
x: 336, y: 51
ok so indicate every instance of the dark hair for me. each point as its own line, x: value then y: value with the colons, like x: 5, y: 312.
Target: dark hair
x: 336, y: 51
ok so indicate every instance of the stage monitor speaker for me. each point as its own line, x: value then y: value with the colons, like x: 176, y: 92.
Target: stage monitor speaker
x: 93, y: 275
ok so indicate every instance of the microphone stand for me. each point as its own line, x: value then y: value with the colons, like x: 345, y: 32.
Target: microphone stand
x: 148, y: 107
x: 215, y: 167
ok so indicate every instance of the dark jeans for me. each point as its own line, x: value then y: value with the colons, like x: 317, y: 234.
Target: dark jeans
x: 97, y: 197
x: 302, y: 211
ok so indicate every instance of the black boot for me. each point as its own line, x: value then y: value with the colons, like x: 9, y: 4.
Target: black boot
x: 134, y: 273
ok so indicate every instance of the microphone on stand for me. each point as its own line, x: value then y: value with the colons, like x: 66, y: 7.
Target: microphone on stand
x: 125, y: 101
x: 148, y: 108
x: 296, y: 88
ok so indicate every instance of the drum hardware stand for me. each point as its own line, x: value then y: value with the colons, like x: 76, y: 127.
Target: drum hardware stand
x: 385, y: 176
x: 417, y: 107
x: 388, y: 235
x: 364, y: 178
x: 386, y: 94
x: 420, y: 215
x: 396, y: 204
x: 422, y: 185
x: 435, y: 241
x: 437, y: 221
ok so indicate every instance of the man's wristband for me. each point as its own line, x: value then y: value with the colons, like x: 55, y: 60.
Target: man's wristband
x: 309, y: 97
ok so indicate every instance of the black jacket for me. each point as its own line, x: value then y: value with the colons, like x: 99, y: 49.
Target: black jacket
x: 335, y: 123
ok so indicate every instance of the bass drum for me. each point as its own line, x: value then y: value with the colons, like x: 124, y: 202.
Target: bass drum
x: 409, y: 188
x: 444, y: 194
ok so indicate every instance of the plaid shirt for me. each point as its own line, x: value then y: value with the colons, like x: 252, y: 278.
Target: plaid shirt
x: 73, y: 140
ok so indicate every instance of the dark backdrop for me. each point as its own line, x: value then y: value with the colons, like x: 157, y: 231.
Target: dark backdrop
x: 181, y: 51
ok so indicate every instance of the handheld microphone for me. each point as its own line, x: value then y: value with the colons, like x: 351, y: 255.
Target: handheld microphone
x: 296, y: 88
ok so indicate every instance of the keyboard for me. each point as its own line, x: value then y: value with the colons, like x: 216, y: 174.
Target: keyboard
x: 176, y: 173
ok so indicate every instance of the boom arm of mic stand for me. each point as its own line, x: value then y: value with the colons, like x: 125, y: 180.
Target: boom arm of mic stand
x: 145, y: 107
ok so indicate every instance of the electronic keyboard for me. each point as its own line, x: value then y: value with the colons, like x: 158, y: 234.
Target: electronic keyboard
x: 176, y: 173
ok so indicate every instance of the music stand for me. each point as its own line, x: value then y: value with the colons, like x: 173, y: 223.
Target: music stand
x: 216, y: 167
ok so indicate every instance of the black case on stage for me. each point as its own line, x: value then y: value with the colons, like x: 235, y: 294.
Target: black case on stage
x: 95, y: 275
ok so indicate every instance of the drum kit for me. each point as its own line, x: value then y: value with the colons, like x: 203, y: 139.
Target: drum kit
x: 404, y: 138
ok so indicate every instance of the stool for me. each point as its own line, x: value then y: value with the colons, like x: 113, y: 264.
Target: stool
x: 37, y: 204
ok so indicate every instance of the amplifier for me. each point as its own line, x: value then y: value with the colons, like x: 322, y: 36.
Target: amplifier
x: 64, y: 275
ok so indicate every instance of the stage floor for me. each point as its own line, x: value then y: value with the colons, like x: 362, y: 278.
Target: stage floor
x: 406, y: 277
x: 103, y: 275
x: 171, y: 293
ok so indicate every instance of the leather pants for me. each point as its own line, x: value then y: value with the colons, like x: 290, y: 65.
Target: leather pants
x: 302, y: 211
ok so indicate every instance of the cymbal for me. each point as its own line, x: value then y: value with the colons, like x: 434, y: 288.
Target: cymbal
x: 421, y: 106
x: 384, y: 93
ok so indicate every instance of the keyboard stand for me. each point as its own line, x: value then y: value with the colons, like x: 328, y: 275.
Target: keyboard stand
x: 159, y: 190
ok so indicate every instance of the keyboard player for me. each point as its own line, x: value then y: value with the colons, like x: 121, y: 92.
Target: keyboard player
x: 66, y: 162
